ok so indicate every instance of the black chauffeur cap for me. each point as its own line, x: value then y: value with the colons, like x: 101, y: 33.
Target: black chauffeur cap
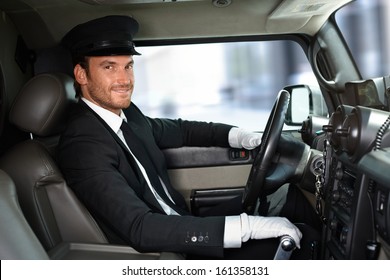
x: 110, y: 35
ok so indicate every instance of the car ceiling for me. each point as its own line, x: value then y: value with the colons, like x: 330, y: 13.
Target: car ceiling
x: 42, y: 23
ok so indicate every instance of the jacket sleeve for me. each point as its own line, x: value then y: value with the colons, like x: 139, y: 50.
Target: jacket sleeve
x: 96, y: 169
x: 176, y: 133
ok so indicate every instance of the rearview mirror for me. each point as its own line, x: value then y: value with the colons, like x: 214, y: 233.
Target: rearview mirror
x: 304, y: 101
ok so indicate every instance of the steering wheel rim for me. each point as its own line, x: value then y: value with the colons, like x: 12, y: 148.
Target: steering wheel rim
x: 268, y: 147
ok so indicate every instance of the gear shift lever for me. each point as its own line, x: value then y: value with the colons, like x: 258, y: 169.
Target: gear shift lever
x: 285, y: 248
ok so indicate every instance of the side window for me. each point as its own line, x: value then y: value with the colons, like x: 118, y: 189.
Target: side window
x: 233, y: 83
x: 3, y: 111
x: 2, y: 102
x: 365, y: 27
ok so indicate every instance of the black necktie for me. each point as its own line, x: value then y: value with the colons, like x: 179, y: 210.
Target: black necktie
x: 139, y: 151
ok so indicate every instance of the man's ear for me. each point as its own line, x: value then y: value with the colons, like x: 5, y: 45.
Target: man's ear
x: 80, y: 74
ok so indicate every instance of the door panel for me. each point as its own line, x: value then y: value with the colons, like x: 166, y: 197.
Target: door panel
x: 208, y: 178
x: 198, y: 168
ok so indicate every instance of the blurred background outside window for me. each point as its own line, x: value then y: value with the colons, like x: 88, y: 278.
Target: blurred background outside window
x: 365, y: 25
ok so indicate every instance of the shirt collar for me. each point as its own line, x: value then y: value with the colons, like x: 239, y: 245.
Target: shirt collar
x: 113, y: 120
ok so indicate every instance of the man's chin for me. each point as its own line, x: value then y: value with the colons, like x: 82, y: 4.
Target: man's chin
x: 128, y: 105
x: 125, y: 105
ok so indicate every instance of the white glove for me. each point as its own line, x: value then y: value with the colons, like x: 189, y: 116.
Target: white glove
x: 258, y: 227
x: 241, y: 138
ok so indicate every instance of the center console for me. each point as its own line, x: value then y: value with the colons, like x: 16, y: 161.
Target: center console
x: 355, y: 205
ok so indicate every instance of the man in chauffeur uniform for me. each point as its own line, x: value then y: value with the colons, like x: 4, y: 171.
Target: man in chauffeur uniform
x: 110, y: 156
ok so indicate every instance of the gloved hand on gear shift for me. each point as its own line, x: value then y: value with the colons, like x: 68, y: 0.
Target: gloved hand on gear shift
x: 239, y: 229
x: 258, y: 227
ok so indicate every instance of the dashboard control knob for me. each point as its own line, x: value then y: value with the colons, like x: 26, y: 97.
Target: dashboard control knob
x: 333, y: 224
x: 327, y: 128
x: 342, y: 132
x: 335, y: 196
x: 344, y: 235
x: 339, y: 174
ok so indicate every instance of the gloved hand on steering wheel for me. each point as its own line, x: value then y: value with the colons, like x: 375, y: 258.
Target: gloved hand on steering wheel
x: 241, y: 138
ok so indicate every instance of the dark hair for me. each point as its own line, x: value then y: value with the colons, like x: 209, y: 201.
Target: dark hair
x: 83, y: 61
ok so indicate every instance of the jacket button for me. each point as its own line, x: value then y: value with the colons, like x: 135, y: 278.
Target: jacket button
x: 187, y: 239
x: 206, y: 238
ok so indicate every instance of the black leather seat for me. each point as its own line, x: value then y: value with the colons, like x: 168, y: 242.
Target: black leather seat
x: 51, y: 208
x: 17, y: 240
x: 62, y: 224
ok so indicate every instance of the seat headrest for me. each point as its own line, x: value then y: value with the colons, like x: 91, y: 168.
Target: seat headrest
x: 41, y: 104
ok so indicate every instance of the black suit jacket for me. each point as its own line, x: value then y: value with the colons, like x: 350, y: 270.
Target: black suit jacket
x: 96, y: 166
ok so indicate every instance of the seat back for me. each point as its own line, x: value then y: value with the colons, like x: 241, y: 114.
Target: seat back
x: 49, y: 205
x: 17, y: 240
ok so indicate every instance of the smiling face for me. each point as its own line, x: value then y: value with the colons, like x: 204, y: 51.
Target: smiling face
x: 107, y: 81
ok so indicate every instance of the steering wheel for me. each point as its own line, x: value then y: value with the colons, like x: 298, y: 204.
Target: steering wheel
x: 269, y: 143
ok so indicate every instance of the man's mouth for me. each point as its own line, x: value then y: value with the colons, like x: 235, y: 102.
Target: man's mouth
x: 121, y: 89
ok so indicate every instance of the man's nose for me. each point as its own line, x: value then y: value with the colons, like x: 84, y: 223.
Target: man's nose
x: 123, y: 76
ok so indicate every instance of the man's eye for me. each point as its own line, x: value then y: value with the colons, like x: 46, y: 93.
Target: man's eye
x: 109, y: 67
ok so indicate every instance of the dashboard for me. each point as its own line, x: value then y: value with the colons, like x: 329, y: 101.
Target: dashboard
x: 356, y: 184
